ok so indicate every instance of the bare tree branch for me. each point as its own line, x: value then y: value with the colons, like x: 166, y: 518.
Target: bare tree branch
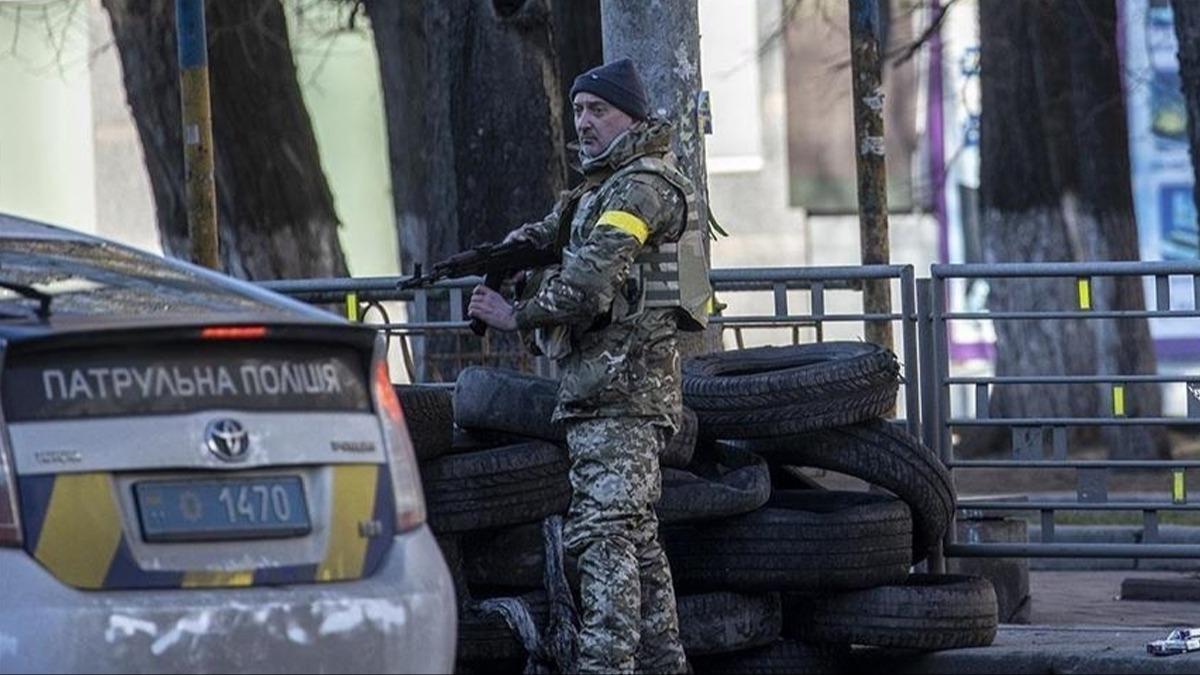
x: 60, y: 21
x: 12, y: 49
x: 902, y: 55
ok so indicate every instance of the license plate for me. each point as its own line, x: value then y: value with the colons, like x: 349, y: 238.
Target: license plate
x: 215, y: 510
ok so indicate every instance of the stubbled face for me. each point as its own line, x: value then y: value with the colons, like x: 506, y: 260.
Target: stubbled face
x: 598, y: 122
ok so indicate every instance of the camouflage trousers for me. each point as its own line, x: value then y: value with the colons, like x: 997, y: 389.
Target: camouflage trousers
x: 628, y: 615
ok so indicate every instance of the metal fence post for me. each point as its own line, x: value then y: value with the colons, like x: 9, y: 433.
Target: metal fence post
x: 939, y: 397
x: 925, y: 335
x: 908, y: 328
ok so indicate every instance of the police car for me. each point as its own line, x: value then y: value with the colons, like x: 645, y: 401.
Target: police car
x: 197, y: 474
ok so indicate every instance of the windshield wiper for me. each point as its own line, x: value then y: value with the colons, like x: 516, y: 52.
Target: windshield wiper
x: 43, y: 299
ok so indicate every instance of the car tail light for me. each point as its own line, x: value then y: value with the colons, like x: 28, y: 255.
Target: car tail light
x: 10, y: 520
x: 10, y: 515
x: 402, y: 461
x: 233, y: 333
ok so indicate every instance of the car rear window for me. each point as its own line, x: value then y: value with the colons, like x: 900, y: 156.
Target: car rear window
x: 97, y: 279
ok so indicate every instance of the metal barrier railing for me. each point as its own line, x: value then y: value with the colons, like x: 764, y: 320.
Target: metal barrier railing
x: 1029, y: 434
x: 362, y: 296
x: 817, y: 281
x: 925, y: 355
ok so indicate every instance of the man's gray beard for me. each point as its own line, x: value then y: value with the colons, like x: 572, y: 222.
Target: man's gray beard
x: 585, y: 157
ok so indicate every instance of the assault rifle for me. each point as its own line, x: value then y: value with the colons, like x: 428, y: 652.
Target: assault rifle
x: 494, y: 262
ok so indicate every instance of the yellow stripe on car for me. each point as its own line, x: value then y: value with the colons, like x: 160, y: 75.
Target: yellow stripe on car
x: 353, y: 504
x: 627, y: 223
x: 217, y: 579
x: 82, y: 529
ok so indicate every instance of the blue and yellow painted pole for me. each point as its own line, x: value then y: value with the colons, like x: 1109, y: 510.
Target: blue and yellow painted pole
x: 198, y: 162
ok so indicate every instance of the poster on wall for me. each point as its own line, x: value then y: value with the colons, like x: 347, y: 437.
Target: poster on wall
x: 1162, y: 169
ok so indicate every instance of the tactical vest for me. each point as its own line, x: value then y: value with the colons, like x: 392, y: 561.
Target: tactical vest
x: 668, y: 272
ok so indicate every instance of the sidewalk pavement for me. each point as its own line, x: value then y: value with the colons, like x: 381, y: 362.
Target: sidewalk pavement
x: 1092, y: 598
x: 1039, y: 649
x: 1080, y: 626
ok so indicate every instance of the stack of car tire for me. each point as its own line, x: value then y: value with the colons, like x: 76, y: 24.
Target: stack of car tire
x: 772, y: 572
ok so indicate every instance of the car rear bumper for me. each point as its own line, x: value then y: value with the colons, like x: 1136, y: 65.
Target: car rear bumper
x: 402, y: 619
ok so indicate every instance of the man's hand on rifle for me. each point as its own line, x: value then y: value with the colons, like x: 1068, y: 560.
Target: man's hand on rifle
x: 518, y: 234
x: 491, y: 308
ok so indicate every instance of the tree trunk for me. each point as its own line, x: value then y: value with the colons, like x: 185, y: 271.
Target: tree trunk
x: 472, y: 92
x: 474, y: 115
x: 1187, y: 30
x: 274, y: 209
x: 1105, y: 222
x: 670, y: 69
x: 1055, y: 187
x: 580, y: 45
x: 412, y: 40
x: 671, y: 72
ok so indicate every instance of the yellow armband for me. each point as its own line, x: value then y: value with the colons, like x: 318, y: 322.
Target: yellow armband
x: 627, y: 223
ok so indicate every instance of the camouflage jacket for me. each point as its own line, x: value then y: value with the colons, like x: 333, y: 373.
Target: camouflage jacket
x: 618, y: 361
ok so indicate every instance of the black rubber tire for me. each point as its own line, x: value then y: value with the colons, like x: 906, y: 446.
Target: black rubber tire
x: 494, y: 399
x: 681, y: 447
x: 489, y: 666
x: 772, y: 391
x: 512, y: 557
x: 488, y: 637
x: 474, y: 440
x: 739, y: 484
x: 785, y: 477
x: 709, y: 623
x: 883, y: 454
x: 451, y: 547
x: 806, y: 540
x: 492, y: 488
x: 429, y: 415
x: 783, y: 657
x: 926, y: 612
x: 736, y: 482
x: 715, y: 623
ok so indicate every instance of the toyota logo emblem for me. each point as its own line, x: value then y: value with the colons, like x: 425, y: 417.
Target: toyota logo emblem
x: 227, y: 440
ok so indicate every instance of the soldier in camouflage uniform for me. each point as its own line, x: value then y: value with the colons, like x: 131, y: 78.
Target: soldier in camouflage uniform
x: 633, y: 274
